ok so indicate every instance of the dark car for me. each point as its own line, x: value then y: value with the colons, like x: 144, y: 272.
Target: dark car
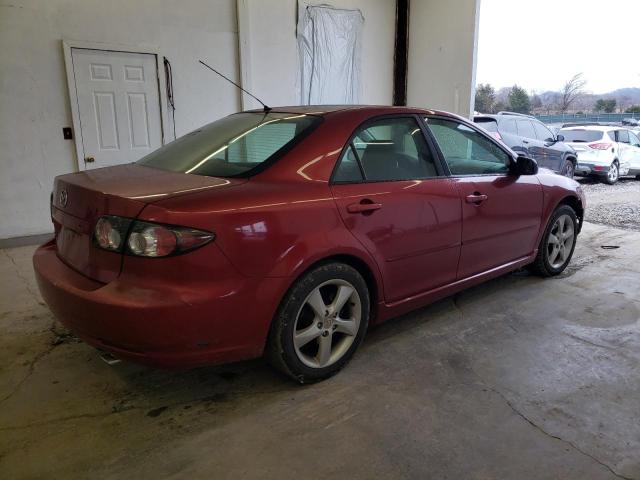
x: 528, y: 136
x: 286, y: 233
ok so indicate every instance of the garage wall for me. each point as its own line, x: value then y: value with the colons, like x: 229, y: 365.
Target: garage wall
x: 273, y: 57
x: 34, y: 103
x: 442, y: 55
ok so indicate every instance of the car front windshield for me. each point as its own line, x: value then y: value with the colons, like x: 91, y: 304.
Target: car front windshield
x: 233, y: 146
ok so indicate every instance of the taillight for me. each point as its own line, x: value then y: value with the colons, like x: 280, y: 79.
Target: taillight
x: 600, y: 146
x: 111, y: 231
x: 146, y: 239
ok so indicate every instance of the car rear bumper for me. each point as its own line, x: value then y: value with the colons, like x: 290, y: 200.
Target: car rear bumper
x: 586, y: 168
x: 161, y: 324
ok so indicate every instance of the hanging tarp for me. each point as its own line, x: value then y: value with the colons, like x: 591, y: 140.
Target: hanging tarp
x: 329, y: 46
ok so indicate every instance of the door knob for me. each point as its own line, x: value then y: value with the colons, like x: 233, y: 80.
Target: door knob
x: 89, y: 159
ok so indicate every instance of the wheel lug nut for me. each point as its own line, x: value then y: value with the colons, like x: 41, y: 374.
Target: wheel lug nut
x: 325, y: 333
x: 319, y: 324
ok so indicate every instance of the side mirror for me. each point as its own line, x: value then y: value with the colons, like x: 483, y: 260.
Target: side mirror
x: 525, y: 166
x: 559, y: 138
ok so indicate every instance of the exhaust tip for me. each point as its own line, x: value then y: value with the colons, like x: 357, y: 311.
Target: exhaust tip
x: 108, y: 358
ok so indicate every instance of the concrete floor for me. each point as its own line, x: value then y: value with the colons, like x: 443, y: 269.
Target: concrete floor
x: 518, y: 378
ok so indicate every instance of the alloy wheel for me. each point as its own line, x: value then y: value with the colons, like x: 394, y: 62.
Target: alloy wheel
x: 560, y: 241
x: 612, y: 175
x: 327, y: 323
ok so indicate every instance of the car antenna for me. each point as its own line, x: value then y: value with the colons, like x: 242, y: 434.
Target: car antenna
x: 266, y: 108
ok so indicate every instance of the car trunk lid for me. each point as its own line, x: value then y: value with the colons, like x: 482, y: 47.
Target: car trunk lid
x: 80, y: 199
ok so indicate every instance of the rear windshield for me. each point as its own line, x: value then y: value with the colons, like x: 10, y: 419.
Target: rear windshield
x: 489, y: 124
x: 581, y: 135
x: 233, y: 146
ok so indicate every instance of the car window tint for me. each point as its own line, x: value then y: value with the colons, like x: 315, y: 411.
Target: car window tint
x: 232, y: 146
x: 508, y: 126
x: 388, y: 149
x: 348, y: 169
x: 581, y: 136
x: 489, y: 124
x: 466, y: 151
x: 542, y: 132
x: 612, y: 135
x: 633, y: 139
x: 525, y: 129
x: 623, y: 136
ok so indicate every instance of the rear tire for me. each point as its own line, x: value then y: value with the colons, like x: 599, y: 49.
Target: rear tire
x: 568, y: 169
x: 557, y: 244
x: 320, y: 323
x: 613, y: 175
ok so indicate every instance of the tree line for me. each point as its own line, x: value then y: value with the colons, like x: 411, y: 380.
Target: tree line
x: 517, y: 99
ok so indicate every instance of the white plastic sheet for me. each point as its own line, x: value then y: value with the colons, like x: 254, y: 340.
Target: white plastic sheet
x: 329, y: 46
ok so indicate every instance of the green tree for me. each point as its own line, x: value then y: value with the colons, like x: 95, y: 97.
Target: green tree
x: 519, y: 100
x: 634, y: 109
x: 485, y: 98
x: 607, y: 106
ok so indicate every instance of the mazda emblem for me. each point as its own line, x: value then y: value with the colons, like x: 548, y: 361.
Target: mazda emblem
x: 63, y: 198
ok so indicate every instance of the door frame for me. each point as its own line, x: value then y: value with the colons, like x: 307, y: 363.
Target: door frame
x: 67, y: 46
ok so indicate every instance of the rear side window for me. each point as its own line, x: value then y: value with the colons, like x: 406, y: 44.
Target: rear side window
x: 542, y: 132
x: 623, y: 136
x: 388, y: 149
x: 232, y: 146
x: 489, y: 124
x: 581, y: 135
x: 466, y: 151
x: 508, y: 126
x: 525, y: 129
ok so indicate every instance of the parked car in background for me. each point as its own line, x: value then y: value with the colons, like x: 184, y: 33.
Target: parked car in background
x: 604, y: 151
x: 286, y: 232
x: 631, y: 122
x: 528, y: 136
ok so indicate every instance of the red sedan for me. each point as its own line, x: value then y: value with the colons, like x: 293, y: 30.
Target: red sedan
x: 288, y: 232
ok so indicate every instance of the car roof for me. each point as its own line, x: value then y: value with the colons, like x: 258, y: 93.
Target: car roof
x: 325, y: 110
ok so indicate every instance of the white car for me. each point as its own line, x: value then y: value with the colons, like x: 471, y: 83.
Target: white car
x: 604, y: 151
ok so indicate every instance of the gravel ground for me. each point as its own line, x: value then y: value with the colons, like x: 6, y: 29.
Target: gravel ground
x: 615, y: 205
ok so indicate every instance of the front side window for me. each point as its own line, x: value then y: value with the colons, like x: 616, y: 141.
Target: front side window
x: 232, y: 146
x: 543, y: 133
x: 633, y: 139
x: 466, y: 151
x: 388, y: 149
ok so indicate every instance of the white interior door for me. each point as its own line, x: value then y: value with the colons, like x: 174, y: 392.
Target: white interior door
x: 118, y: 106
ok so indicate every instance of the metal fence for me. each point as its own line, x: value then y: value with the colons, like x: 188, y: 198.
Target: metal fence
x: 586, y: 117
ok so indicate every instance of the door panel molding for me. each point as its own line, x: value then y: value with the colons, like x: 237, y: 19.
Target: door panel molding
x: 67, y: 46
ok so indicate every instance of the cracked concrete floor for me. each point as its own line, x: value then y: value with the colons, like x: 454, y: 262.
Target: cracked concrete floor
x: 518, y: 378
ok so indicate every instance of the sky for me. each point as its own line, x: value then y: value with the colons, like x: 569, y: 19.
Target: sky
x: 540, y: 44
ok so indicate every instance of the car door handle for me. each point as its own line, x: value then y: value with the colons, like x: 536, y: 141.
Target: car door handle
x: 525, y: 141
x: 365, y: 206
x: 476, y: 198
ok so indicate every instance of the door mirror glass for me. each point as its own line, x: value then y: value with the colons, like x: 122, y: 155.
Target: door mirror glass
x: 525, y: 166
x: 560, y: 138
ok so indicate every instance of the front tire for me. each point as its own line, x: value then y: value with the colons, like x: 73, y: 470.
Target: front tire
x: 558, y: 243
x: 320, y: 323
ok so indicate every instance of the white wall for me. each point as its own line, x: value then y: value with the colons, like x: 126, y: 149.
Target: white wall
x: 442, y: 54
x: 34, y: 103
x: 274, y: 56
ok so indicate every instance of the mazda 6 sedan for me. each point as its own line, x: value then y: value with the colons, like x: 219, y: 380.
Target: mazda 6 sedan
x: 286, y: 233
